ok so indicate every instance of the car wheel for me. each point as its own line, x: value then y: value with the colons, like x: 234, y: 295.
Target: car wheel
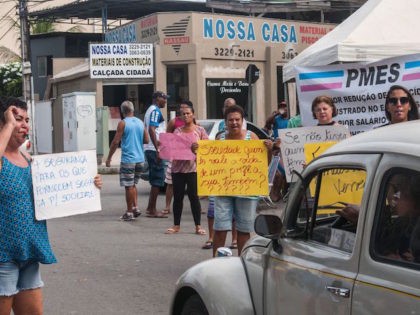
x: 194, y: 306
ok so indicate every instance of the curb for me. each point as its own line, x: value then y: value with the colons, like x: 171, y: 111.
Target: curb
x: 103, y: 170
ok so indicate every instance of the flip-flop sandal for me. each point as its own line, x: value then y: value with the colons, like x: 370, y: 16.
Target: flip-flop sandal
x: 200, y: 232
x: 234, y: 245
x: 207, y: 245
x: 171, y: 231
x: 158, y: 215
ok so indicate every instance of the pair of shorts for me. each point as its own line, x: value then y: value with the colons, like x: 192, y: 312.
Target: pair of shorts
x: 130, y: 173
x: 210, y: 209
x: 242, y: 209
x: 16, y: 277
x: 168, y: 174
x: 156, y: 170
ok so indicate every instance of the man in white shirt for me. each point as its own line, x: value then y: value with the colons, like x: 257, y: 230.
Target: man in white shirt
x: 155, y: 124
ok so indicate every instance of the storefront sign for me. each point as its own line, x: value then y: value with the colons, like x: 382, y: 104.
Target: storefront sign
x: 121, y: 61
x: 123, y: 34
x: 217, y: 90
x: 235, y: 37
x: 358, y: 91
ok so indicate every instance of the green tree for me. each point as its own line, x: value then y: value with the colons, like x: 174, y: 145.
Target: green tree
x: 11, y: 79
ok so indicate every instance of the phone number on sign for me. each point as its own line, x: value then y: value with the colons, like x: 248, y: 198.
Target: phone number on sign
x: 230, y: 52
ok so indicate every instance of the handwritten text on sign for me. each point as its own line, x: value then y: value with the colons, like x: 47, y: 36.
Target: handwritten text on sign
x: 293, y: 141
x: 232, y: 168
x: 338, y: 185
x: 63, y: 184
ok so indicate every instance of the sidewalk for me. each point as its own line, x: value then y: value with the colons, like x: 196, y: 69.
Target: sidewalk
x: 115, y: 164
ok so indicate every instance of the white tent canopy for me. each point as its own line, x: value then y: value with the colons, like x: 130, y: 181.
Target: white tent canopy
x: 379, y: 29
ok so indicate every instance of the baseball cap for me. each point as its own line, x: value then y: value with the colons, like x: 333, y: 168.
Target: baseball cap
x: 159, y: 94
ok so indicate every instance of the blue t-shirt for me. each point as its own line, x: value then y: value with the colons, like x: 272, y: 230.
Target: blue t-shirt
x: 22, y: 237
x: 279, y: 123
x: 132, y: 141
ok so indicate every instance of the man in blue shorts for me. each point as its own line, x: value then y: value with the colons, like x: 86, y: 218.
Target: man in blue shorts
x: 132, y: 135
x: 155, y: 124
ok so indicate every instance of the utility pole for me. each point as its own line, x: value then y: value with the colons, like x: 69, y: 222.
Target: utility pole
x: 26, y: 68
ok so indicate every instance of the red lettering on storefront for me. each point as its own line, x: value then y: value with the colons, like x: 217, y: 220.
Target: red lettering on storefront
x: 176, y: 40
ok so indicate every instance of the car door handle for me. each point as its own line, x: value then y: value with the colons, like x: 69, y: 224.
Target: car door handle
x: 342, y: 292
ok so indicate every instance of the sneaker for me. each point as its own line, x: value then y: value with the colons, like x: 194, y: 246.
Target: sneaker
x: 136, y: 213
x: 128, y: 216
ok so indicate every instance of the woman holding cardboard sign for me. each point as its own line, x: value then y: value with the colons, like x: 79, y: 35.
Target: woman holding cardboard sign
x: 184, y: 174
x: 242, y: 208
x: 24, y: 240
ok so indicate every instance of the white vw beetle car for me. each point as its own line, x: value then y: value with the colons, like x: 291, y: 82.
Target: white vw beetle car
x: 312, y: 260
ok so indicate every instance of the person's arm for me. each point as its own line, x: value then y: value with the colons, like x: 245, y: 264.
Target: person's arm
x: 7, y: 129
x: 145, y: 136
x: 171, y: 126
x: 115, y: 142
x: 153, y: 138
x: 270, y: 119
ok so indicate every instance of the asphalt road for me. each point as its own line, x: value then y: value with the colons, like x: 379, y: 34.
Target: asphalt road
x: 108, y: 267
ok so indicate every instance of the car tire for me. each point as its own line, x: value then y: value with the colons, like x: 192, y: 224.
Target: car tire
x: 194, y: 306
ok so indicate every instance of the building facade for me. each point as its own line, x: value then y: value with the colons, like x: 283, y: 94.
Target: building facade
x: 203, y: 57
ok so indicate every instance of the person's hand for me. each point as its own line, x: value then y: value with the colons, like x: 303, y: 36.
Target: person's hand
x: 350, y: 213
x: 108, y: 163
x: 97, y: 180
x: 268, y: 144
x: 10, y: 115
x: 276, y: 144
x: 194, y: 147
x: 158, y: 159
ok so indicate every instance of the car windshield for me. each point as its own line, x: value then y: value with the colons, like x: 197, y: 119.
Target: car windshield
x: 207, y: 125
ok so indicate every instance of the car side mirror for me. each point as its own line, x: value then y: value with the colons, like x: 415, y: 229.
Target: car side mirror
x: 268, y: 226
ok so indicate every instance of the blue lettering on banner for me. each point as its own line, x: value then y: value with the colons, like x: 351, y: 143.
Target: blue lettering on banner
x: 230, y: 25
x: 241, y: 30
x: 106, y: 49
x: 208, y: 28
x: 245, y: 31
x: 124, y: 34
x: 220, y: 29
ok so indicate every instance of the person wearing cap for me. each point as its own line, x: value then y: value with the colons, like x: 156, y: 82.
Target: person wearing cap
x: 155, y: 124
x: 278, y: 119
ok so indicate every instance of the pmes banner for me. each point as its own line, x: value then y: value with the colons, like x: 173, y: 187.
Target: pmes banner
x: 358, y: 90
x: 232, y: 168
x: 121, y: 61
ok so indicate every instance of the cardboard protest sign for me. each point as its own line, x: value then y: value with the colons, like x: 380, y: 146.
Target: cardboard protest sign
x: 176, y: 146
x: 294, y: 139
x: 358, y: 90
x: 313, y: 150
x: 347, y: 184
x: 232, y: 168
x: 63, y: 184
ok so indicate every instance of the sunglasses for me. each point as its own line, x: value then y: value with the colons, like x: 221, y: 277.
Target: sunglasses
x: 394, y: 100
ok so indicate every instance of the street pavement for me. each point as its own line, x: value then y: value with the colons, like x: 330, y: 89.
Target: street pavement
x: 108, y: 267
